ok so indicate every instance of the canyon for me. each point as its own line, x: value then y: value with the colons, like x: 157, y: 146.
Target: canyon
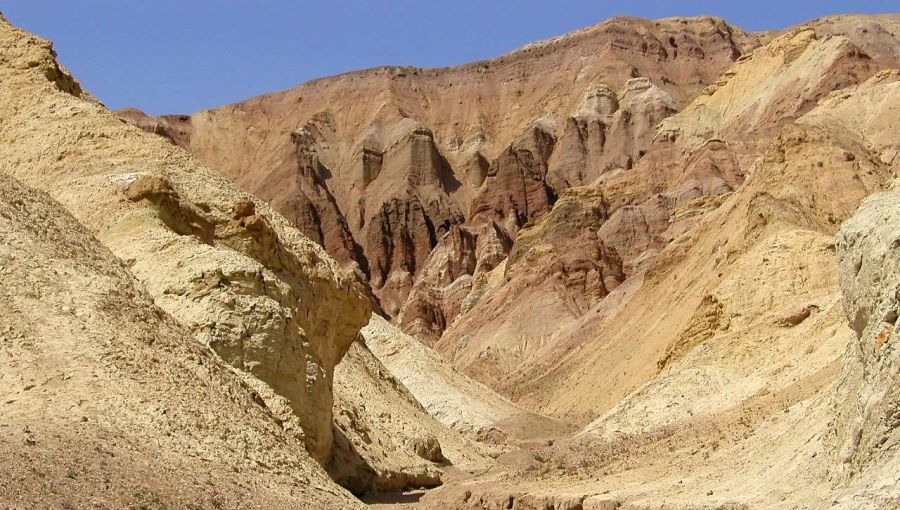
x: 646, y: 264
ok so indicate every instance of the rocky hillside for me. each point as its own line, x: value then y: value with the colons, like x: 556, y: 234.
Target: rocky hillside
x: 383, y: 166
x: 867, y: 429
x: 101, y: 388
x: 642, y: 221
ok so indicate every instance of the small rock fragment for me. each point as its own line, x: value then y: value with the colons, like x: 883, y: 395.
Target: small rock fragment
x: 429, y: 449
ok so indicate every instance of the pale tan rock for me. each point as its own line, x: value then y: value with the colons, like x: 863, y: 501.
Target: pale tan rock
x: 796, y: 315
x: 867, y: 401
x: 441, y: 285
x: 106, y: 397
x: 385, y: 441
x: 793, y: 72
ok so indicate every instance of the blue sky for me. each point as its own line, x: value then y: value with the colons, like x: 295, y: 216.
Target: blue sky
x: 178, y: 56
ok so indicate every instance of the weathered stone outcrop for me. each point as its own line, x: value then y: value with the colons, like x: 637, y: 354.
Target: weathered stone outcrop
x: 255, y: 317
x: 577, y: 159
x: 609, y: 132
x: 793, y: 72
x: 418, y: 159
x: 865, y: 432
x: 557, y: 264
x: 406, y: 210
x: 491, y: 247
x: 514, y: 191
x: 663, y: 197
x: 565, y: 249
x: 441, y: 286
x: 376, y: 439
x: 868, y: 427
x: 175, y: 128
x: 304, y: 199
x: 399, y: 239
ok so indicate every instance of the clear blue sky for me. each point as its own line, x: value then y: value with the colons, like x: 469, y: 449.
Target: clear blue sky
x: 178, y: 56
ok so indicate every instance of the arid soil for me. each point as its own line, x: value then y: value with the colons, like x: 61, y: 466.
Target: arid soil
x: 644, y: 265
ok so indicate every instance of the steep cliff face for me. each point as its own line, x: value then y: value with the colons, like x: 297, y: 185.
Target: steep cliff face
x: 303, y: 198
x: 866, y: 433
x: 267, y: 300
x: 445, y: 280
x: 609, y: 132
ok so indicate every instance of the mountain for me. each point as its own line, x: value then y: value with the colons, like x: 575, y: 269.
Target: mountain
x: 648, y: 264
x: 378, y: 166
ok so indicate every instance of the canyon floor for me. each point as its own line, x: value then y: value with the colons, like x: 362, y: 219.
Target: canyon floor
x: 650, y: 264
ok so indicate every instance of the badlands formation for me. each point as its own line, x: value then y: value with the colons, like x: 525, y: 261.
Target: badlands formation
x: 644, y: 265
